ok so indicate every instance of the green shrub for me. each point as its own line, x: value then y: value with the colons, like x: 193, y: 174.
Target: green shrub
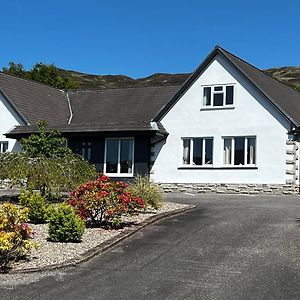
x: 15, y: 234
x: 37, y: 206
x: 65, y: 225
x: 147, y: 190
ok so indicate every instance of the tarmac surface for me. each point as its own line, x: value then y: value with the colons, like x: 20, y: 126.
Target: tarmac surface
x: 228, y: 247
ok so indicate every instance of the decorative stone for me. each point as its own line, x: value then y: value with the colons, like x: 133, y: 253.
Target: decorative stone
x: 291, y: 152
x: 290, y: 172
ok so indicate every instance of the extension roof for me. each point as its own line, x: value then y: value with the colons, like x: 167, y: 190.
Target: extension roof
x: 127, y: 109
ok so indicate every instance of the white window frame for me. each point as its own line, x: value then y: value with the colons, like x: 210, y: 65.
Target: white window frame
x: 191, y: 163
x: 119, y: 174
x: 213, y: 92
x: 2, y: 143
x: 232, y: 153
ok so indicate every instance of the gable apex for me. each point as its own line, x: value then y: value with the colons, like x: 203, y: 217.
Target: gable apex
x: 281, y: 96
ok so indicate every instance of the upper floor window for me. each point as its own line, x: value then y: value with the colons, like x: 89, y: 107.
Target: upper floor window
x: 239, y: 150
x: 3, y: 147
x: 118, y: 160
x: 197, y: 151
x: 218, y: 96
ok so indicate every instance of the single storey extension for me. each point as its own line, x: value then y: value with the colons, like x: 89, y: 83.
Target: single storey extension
x: 228, y: 128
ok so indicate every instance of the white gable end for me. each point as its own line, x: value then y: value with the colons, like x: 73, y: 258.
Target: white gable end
x: 251, y: 115
x: 8, y: 119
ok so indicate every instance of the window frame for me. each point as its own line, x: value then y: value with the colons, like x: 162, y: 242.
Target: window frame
x: 232, y: 152
x: 213, y: 92
x: 118, y: 173
x: 191, y: 152
x: 2, y: 143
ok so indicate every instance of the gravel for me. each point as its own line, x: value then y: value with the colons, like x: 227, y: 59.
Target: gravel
x: 53, y: 253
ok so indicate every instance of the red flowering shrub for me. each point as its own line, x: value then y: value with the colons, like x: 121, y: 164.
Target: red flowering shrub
x: 102, y: 201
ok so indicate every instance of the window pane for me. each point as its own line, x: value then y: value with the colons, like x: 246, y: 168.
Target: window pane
x: 251, y: 151
x: 206, y: 96
x: 229, y: 94
x: 227, y: 151
x: 112, y: 148
x: 89, y: 151
x: 186, y: 151
x: 208, y: 151
x: 218, y: 88
x: 126, y: 156
x: 239, y: 151
x: 197, y: 151
x: 5, y: 146
x: 218, y: 99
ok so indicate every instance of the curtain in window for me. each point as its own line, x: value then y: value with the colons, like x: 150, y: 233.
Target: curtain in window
x: 186, y: 151
x: 251, y: 151
x: 227, y: 151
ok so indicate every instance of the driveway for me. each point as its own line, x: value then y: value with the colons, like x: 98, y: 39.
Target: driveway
x: 228, y: 247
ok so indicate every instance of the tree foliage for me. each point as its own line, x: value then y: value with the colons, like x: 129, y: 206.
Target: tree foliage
x: 44, y: 73
x: 46, y: 143
x: 45, y: 164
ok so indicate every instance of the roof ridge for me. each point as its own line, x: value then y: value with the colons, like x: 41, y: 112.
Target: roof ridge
x: 125, y: 88
x: 257, y: 69
x: 32, y: 81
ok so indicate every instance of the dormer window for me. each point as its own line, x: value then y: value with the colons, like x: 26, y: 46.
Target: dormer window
x: 218, y: 96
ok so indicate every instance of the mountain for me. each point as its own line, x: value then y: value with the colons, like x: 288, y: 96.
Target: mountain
x: 288, y: 75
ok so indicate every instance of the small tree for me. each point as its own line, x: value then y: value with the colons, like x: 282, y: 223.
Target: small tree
x: 45, y: 164
x: 47, y: 143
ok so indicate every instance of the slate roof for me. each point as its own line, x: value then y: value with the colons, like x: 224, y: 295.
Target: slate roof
x: 127, y: 109
x: 283, y: 97
x: 119, y: 105
x: 34, y: 101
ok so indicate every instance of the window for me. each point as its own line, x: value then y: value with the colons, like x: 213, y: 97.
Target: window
x: 86, y: 150
x: 239, y: 151
x: 197, y: 151
x: 218, y: 96
x: 119, y: 156
x: 3, y: 147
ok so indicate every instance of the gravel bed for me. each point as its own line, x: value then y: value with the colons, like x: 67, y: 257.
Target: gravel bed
x: 52, y: 253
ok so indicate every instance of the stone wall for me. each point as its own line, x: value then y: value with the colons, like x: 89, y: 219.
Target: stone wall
x: 283, y: 189
x: 292, y: 162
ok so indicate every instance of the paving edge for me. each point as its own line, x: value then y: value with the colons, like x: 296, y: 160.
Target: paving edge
x: 101, y: 248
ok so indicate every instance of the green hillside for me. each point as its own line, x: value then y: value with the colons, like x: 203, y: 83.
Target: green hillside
x: 288, y: 75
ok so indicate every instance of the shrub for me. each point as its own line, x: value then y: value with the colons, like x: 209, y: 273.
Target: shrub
x: 102, y: 201
x: 15, y: 233
x: 147, y: 190
x: 65, y: 225
x: 37, y: 206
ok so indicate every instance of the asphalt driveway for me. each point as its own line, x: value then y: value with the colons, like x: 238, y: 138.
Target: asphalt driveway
x: 228, y: 247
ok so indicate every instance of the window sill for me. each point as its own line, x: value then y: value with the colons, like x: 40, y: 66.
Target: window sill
x: 217, y: 107
x: 218, y: 168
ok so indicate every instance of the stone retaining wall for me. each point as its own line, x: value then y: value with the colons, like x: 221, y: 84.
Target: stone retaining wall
x: 219, y: 188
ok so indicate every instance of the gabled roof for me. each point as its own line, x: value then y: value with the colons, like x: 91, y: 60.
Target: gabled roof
x: 127, y: 109
x: 35, y: 101
x: 283, y: 97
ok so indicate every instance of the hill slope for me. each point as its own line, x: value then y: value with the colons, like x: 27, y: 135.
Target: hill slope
x: 288, y: 75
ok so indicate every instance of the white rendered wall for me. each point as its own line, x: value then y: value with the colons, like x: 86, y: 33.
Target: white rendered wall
x: 252, y: 116
x: 8, y: 119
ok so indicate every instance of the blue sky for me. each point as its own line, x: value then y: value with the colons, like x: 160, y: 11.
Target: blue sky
x: 138, y: 38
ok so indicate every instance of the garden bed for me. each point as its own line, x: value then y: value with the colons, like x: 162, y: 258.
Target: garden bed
x: 55, y: 253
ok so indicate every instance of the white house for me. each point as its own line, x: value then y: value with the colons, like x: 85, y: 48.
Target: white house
x: 228, y: 128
